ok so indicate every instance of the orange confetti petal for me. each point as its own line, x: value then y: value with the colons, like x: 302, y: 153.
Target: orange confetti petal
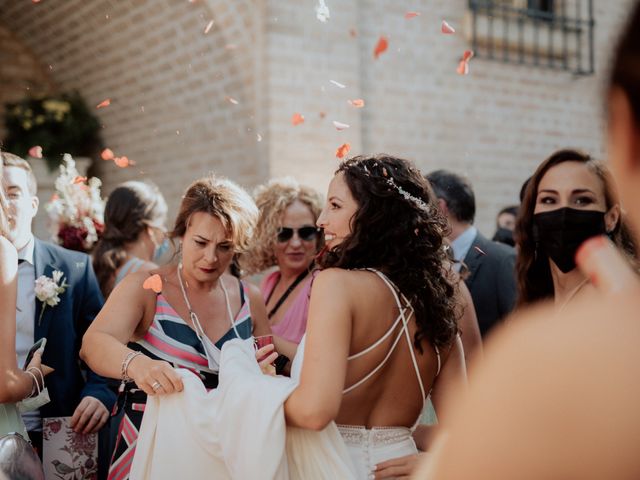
x: 297, y: 119
x: 381, y: 46
x: 357, y: 102
x: 35, y: 152
x: 122, y: 162
x: 343, y: 150
x: 446, y: 28
x: 104, y: 103
x: 107, y: 154
x: 463, y: 68
x: 353, y: 32
x: 467, y: 55
x: 410, y: 15
x: 154, y: 282
x: 79, y: 179
x: 322, y: 114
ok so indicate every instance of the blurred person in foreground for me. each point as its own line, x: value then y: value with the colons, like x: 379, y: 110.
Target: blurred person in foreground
x: 570, y: 379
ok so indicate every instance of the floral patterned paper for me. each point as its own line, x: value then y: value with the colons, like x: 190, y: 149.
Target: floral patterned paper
x: 66, y: 454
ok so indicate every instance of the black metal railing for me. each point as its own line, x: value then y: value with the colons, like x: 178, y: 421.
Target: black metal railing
x: 555, y: 34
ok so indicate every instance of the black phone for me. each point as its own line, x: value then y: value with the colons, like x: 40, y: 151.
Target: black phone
x: 40, y: 344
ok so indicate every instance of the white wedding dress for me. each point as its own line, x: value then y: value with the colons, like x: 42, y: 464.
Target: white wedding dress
x: 368, y: 447
x: 238, y: 430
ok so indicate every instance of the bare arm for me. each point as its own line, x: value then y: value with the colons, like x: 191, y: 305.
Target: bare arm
x: 104, y: 346
x: 14, y: 383
x: 451, y: 382
x: 258, y: 311
x: 317, y: 399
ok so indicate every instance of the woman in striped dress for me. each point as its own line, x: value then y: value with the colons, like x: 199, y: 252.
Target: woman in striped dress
x: 178, y: 316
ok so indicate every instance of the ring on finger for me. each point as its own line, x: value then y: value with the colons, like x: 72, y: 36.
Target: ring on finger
x: 156, y: 386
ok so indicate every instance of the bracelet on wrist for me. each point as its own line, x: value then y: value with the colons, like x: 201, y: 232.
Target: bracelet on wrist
x: 124, y: 375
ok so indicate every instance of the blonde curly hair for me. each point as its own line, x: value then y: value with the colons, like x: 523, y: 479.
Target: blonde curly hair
x: 221, y: 198
x: 272, y: 200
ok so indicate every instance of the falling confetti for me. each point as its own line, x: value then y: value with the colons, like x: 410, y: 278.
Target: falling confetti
x: 107, y: 154
x: 480, y: 250
x: 340, y: 126
x: 154, y: 282
x: 79, y: 179
x: 381, y: 46
x: 410, y: 15
x: 322, y: 114
x: 208, y: 27
x: 258, y: 137
x: 322, y: 11
x: 463, y: 66
x: 338, y: 84
x: 297, y: 119
x: 123, y: 162
x: 357, y: 102
x: 35, y: 1
x: 104, y: 103
x: 35, y: 152
x: 446, y: 28
x: 343, y: 150
x: 353, y: 32
x: 232, y: 100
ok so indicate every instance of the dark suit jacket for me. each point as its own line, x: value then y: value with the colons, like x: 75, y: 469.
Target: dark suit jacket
x: 491, y: 280
x: 64, y: 325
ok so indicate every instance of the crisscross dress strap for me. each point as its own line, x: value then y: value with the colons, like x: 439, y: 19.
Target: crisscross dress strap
x: 402, y: 317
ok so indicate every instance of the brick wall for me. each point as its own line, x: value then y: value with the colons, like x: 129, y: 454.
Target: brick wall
x: 275, y: 58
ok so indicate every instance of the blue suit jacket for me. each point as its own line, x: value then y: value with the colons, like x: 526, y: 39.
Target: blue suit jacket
x: 64, y: 325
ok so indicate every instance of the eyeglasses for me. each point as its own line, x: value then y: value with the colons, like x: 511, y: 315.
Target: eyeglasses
x: 304, y: 233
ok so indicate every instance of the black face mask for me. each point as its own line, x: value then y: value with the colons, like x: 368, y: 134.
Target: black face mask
x: 560, y: 232
x: 504, y: 235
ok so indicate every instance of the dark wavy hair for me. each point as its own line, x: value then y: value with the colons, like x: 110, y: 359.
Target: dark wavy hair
x: 130, y: 209
x: 401, y: 238
x: 532, y: 265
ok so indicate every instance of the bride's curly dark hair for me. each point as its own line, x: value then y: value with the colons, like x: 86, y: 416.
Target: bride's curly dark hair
x: 402, y: 237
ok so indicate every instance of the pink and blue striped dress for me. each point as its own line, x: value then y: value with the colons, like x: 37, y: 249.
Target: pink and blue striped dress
x: 171, y: 339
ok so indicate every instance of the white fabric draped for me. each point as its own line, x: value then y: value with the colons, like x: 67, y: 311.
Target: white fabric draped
x: 236, y: 431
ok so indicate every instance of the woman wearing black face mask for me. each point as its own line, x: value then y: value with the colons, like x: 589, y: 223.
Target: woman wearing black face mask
x: 569, y: 199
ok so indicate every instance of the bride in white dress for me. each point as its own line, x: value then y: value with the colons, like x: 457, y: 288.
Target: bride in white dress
x: 381, y: 332
x: 381, y: 336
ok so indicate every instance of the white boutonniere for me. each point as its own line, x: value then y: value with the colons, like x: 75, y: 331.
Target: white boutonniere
x: 48, y: 290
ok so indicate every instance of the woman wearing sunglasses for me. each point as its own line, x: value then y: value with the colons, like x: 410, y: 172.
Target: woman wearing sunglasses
x: 286, y: 237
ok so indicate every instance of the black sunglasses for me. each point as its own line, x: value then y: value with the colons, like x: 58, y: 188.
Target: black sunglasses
x: 304, y: 233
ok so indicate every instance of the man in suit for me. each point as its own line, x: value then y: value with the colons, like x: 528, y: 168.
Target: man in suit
x: 491, y: 265
x: 74, y: 389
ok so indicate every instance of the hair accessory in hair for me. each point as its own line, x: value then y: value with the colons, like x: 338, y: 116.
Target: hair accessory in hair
x: 418, y: 201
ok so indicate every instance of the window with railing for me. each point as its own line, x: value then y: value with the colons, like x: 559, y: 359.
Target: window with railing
x: 555, y: 34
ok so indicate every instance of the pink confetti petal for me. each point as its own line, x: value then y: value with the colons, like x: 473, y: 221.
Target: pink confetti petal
x: 446, y: 28
x: 410, y: 15
x: 357, y: 102
x: 123, y: 162
x: 338, y: 84
x: 343, y: 150
x: 232, y: 100
x: 208, y: 27
x: 79, y: 179
x: 297, y: 119
x: 467, y: 55
x: 107, y: 154
x: 463, y: 68
x: 105, y: 103
x: 340, y: 126
x: 381, y: 46
x: 480, y: 250
x: 35, y: 152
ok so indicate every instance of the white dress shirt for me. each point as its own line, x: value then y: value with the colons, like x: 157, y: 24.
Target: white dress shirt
x: 25, y: 318
x: 462, y: 244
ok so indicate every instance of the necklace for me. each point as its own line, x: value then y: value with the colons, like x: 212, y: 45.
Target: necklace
x: 194, y: 317
x: 572, y: 294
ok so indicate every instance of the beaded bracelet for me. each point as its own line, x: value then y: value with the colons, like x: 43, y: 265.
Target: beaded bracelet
x: 125, y: 365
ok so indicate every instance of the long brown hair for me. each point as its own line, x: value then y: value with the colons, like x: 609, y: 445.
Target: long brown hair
x: 130, y: 209
x: 4, y: 209
x: 532, y: 266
